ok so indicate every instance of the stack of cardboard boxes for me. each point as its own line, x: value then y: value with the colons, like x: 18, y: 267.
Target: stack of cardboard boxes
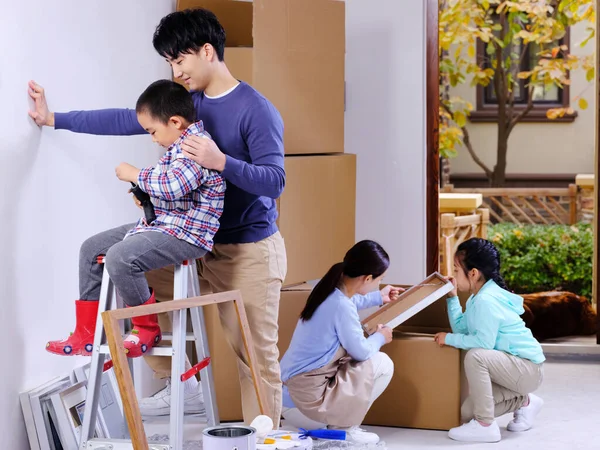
x: 293, y: 51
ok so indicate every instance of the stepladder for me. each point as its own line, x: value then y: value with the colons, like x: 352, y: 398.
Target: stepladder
x: 186, y: 284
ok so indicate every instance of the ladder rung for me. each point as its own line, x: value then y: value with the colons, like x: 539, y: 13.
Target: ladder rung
x: 154, y: 351
x: 119, y: 444
x: 169, y: 336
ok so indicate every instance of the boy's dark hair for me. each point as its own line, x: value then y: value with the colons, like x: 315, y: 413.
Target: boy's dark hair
x: 480, y: 254
x: 164, y: 99
x: 364, y: 258
x: 187, y: 31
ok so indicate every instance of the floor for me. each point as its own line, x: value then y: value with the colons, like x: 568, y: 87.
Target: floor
x: 569, y: 420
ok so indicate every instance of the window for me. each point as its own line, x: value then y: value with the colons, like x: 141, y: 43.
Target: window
x: 544, y: 97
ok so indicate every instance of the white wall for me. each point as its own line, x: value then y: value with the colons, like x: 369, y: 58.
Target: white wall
x: 57, y: 188
x: 385, y: 127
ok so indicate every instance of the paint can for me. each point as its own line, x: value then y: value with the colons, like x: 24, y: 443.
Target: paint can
x: 229, y: 437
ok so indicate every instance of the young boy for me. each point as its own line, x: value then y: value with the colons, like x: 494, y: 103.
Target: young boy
x: 188, y: 202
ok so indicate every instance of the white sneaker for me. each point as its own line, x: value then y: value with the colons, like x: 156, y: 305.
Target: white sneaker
x: 360, y: 436
x: 160, y: 403
x: 524, y: 417
x: 475, y: 432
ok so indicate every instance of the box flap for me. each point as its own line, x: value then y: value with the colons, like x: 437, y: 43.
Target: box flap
x: 409, y: 303
x: 297, y: 287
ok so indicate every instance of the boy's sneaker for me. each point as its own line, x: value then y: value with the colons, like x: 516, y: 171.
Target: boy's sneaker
x: 475, y: 432
x: 160, y: 403
x: 360, y: 436
x: 524, y: 416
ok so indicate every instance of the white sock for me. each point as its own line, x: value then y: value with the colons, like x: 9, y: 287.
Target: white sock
x: 190, y: 386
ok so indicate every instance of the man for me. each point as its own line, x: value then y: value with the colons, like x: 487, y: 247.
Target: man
x: 249, y: 252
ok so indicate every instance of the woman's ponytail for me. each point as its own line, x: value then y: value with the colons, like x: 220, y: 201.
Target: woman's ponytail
x: 322, y: 290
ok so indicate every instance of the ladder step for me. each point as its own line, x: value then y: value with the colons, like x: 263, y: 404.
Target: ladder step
x: 154, y: 351
x: 169, y: 336
x: 119, y: 444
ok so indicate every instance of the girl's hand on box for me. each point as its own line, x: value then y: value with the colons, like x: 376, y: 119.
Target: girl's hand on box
x: 454, y: 291
x: 387, y: 333
x: 391, y: 293
x: 440, y: 339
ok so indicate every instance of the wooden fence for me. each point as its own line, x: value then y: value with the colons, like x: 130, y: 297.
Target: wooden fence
x: 457, y: 229
x: 528, y: 205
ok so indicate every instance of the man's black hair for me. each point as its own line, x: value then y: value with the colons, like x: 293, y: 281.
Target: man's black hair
x: 164, y: 99
x: 187, y: 31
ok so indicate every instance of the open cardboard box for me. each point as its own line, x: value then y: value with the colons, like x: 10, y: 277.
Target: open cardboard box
x: 292, y: 52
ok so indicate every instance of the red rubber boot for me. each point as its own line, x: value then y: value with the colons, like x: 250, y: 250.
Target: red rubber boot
x: 81, y: 341
x: 145, y: 334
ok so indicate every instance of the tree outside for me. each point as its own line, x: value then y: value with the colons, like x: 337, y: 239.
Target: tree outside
x: 518, y: 53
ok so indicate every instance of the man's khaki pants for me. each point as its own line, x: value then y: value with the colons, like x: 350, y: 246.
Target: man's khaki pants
x: 499, y: 383
x: 257, y: 270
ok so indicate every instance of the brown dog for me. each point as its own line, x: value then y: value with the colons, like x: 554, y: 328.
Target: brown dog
x: 556, y: 314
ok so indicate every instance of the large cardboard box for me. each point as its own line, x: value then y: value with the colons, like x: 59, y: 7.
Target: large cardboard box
x: 317, y: 213
x: 425, y: 391
x: 292, y: 52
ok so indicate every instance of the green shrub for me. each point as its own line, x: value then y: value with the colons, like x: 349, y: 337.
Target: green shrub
x: 539, y: 258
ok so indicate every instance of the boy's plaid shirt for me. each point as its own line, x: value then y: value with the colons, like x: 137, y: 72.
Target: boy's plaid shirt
x: 187, y: 198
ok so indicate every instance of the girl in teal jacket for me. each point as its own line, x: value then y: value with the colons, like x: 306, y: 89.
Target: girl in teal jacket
x: 504, y: 362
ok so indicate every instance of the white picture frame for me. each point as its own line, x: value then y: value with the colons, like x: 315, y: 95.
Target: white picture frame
x: 110, y: 418
x: 39, y: 414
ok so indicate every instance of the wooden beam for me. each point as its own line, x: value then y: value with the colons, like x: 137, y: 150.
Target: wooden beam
x: 251, y: 355
x: 516, y: 192
x: 506, y: 211
x: 548, y: 210
x: 518, y: 208
x: 123, y: 374
x: 121, y: 366
x: 573, y: 203
x: 176, y: 305
x: 563, y: 211
x: 432, y: 82
x: 535, y: 211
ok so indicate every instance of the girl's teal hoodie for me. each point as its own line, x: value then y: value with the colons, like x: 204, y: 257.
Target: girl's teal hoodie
x: 492, y: 320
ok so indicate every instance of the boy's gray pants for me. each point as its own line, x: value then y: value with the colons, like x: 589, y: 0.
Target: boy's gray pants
x: 127, y: 261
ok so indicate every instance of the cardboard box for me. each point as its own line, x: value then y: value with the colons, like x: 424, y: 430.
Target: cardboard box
x: 293, y: 300
x: 292, y: 52
x: 425, y: 391
x: 317, y: 213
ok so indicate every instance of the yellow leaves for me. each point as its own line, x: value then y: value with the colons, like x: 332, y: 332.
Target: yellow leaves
x: 555, y: 51
x: 590, y: 74
x: 460, y: 118
x: 555, y: 113
x: 471, y: 51
x: 523, y: 75
x: 497, y: 237
x: 518, y: 233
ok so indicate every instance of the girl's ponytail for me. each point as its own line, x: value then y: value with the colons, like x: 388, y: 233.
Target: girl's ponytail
x: 322, y: 290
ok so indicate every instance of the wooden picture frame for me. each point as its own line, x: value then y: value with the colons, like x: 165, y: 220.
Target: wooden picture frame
x: 119, y: 358
x: 409, y: 303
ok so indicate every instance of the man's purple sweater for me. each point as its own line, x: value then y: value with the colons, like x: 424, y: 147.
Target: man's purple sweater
x: 247, y: 128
